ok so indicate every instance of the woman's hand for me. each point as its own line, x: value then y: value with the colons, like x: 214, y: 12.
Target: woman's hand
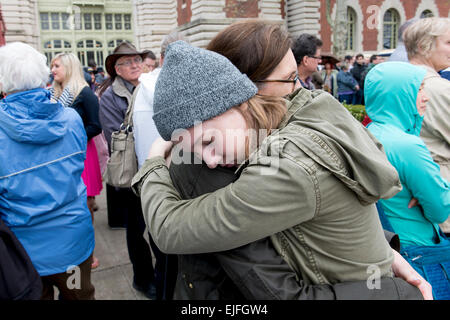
x: 160, y: 148
x: 414, y: 202
x: 403, y: 269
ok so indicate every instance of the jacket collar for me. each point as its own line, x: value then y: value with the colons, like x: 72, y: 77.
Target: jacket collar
x: 296, y: 101
x: 120, y: 89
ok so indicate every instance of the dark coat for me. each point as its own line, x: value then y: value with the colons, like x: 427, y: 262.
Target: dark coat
x: 256, y: 271
x: 86, y: 104
x: 357, y: 73
x: 113, y: 107
x: 346, y: 82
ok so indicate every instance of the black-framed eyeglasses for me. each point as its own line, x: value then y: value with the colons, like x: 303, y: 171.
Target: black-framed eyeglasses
x: 294, y: 81
x: 316, y: 57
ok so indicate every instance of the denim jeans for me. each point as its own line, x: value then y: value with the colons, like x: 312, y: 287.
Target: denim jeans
x: 432, y: 263
x: 348, y: 98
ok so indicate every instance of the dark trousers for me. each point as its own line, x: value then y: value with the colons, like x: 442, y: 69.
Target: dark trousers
x: 72, y: 285
x: 358, y: 98
x: 166, y: 268
x: 138, y: 248
x: 347, y: 98
x: 163, y: 274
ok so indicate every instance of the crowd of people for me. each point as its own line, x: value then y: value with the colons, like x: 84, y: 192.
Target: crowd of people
x: 251, y: 179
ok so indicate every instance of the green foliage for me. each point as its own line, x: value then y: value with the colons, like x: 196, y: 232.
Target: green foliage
x: 358, y: 111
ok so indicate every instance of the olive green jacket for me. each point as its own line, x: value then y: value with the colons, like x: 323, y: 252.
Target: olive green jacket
x: 314, y: 182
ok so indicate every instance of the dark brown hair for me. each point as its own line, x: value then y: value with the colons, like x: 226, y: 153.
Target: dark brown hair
x: 255, y: 47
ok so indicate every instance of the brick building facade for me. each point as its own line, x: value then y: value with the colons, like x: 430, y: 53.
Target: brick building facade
x: 372, y: 25
x: 369, y: 19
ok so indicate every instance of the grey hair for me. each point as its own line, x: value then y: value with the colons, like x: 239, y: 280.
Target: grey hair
x: 22, y: 68
x: 169, y: 38
x: 420, y: 38
x: 404, y: 26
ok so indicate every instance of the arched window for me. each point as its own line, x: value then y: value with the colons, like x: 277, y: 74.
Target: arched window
x: 88, y: 50
x: 391, y: 22
x: 351, y: 29
x: 426, y: 14
x: 53, y: 47
x: 113, y: 44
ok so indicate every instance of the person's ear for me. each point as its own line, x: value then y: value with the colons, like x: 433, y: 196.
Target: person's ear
x: 304, y: 60
x: 117, y: 68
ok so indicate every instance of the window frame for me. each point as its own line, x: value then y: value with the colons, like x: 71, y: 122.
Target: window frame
x: 350, y: 36
x: 392, y: 28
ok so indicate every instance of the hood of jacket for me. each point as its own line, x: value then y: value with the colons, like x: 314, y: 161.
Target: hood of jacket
x: 30, y: 117
x: 323, y: 129
x: 390, y: 92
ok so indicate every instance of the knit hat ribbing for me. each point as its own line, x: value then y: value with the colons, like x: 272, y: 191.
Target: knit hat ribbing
x: 196, y: 85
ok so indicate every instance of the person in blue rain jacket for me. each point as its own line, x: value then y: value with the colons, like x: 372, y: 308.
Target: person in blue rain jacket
x: 42, y: 195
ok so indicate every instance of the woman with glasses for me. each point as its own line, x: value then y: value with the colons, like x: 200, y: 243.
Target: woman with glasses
x: 254, y: 269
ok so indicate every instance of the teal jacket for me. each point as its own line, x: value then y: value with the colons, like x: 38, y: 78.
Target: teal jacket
x: 390, y: 91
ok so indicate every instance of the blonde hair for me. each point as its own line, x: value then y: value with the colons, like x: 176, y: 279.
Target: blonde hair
x: 263, y: 114
x: 420, y: 37
x: 73, y: 78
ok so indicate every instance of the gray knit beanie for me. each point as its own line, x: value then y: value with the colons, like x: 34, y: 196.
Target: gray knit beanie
x: 196, y: 85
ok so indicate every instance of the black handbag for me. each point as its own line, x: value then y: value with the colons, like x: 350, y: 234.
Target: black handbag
x: 19, y: 280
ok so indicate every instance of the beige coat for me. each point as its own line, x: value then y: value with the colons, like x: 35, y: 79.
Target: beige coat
x: 436, y: 124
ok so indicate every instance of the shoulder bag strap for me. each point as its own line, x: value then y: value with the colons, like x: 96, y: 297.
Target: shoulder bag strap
x: 128, y: 120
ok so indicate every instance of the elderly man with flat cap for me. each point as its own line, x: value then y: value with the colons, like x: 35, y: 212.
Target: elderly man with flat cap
x: 124, y: 66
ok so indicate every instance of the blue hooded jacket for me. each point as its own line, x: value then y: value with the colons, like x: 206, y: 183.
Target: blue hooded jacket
x: 390, y: 91
x: 42, y: 195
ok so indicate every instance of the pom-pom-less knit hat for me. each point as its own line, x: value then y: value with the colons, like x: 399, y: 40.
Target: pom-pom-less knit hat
x: 196, y: 85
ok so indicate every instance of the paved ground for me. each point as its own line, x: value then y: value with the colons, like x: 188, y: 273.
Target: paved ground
x: 114, y: 276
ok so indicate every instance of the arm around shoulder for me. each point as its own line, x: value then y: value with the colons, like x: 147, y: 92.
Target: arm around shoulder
x: 253, y: 207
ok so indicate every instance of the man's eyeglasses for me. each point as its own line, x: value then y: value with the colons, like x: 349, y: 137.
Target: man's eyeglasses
x: 294, y: 81
x: 129, y: 62
x: 316, y: 57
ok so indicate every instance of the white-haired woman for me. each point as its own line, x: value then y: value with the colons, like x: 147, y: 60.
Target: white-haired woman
x: 71, y: 89
x: 42, y: 195
x: 427, y: 42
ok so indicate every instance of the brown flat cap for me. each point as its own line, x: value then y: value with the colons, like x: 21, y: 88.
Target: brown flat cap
x: 123, y: 49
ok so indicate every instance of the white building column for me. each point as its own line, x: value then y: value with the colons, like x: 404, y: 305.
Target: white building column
x: 153, y: 20
x: 303, y: 16
x: 208, y: 18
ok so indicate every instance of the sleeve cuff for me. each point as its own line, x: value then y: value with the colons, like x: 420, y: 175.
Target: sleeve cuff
x: 148, y: 167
